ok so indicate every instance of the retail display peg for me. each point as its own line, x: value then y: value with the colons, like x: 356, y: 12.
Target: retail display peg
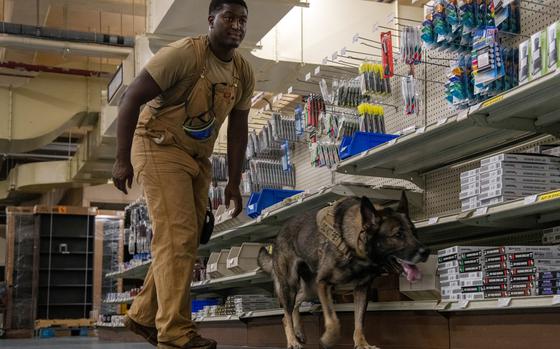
x: 355, y: 38
x: 307, y: 76
x: 317, y: 70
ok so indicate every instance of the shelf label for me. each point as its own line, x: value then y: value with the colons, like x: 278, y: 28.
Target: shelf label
x: 492, y: 101
x: 441, y: 121
x: 433, y: 220
x: 300, y: 200
x: 530, y: 200
x: 409, y: 130
x: 464, y: 303
x: 355, y: 38
x: 481, y: 211
x: 393, y: 141
x: 474, y: 108
x: 504, y: 302
x: 307, y: 76
x: 421, y: 130
x: 549, y: 196
x: 290, y: 90
x: 556, y: 300
x: 317, y: 70
x: 464, y: 114
x: 364, y: 154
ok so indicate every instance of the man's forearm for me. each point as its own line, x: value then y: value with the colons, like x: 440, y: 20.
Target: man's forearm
x: 126, y: 124
x: 237, y: 146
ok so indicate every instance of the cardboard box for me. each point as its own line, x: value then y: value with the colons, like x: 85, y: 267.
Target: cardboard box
x: 470, y: 173
x: 519, y: 166
x: 470, y: 180
x: 506, y: 193
x: 520, y: 180
x: 518, y: 173
x: 527, y: 158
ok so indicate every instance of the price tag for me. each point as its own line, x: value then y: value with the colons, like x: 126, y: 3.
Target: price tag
x: 464, y: 303
x: 343, y: 51
x: 290, y: 90
x: 481, y: 211
x: 229, y: 317
x: 364, y: 154
x: 250, y: 313
x: 474, y: 108
x: 390, y: 18
x: 530, y: 199
x: 300, y: 200
x: 556, y: 300
x: 266, y: 214
x: 409, y: 130
x: 441, y: 121
x: 355, y: 38
x: 307, y: 76
x: 392, y: 141
x: 504, y: 302
x: 325, y: 60
x: 433, y: 220
x: 421, y: 130
x: 464, y: 114
x: 259, y: 219
x: 317, y: 70
x: 334, y: 56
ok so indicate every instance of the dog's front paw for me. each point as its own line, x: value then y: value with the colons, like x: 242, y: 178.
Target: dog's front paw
x: 295, y: 345
x: 366, y: 346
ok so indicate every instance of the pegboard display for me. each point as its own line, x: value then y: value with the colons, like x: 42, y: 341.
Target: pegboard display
x: 307, y: 176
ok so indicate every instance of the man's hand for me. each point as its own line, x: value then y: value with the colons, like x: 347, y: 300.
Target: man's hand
x: 232, y: 193
x: 123, y: 175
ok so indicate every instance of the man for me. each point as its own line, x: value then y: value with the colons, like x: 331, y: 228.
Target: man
x: 190, y: 87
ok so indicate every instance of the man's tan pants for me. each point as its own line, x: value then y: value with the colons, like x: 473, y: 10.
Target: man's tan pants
x: 176, y: 190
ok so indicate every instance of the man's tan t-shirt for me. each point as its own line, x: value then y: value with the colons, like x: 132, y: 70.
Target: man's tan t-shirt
x: 175, y: 71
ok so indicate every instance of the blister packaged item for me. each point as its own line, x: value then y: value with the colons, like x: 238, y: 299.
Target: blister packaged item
x: 553, y: 46
x: 524, y: 60
x: 411, y: 45
x: 411, y: 95
x: 387, y: 55
x: 537, y: 59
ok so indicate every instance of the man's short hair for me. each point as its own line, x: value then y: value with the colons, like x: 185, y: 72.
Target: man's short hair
x: 216, y: 5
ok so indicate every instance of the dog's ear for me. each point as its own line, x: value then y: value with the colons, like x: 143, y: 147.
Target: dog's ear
x: 367, y: 210
x: 403, y: 204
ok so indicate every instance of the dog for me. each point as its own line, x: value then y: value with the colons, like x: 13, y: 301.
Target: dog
x: 348, y: 243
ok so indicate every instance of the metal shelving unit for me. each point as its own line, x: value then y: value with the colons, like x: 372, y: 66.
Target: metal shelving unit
x: 138, y: 272
x: 240, y: 280
x: 532, y: 212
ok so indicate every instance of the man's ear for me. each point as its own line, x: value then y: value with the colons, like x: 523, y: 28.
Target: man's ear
x: 403, y: 204
x: 211, y: 19
x: 369, y: 214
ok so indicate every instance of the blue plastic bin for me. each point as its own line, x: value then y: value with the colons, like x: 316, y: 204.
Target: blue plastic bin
x: 267, y: 197
x: 46, y: 333
x: 362, y: 141
x: 198, y: 305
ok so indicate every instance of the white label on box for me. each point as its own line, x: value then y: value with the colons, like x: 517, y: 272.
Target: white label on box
x: 504, y: 302
x: 530, y: 200
x: 464, y: 303
x: 480, y: 211
x: 433, y: 220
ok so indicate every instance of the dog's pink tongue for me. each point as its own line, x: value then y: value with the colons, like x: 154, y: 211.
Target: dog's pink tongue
x: 413, y: 274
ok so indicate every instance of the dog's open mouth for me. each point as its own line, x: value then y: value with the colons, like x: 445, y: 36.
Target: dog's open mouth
x: 411, y: 271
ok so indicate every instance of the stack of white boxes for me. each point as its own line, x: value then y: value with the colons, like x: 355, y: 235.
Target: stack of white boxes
x: 506, y: 177
x: 521, y: 271
x: 470, y: 188
x: 460, y: 268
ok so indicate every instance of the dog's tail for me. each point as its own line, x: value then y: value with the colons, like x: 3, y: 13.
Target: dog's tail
x: 265, y: 260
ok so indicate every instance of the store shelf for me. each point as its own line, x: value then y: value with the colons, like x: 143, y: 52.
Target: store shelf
x: 138, y: 272
x: 124, y: 301
x: 435, y: 146
x: 267, y: 225
x: 241, y: 280
x: 501, y: 304
x: 534, y: 106
x: 107, y: 325
x: 532, y: 212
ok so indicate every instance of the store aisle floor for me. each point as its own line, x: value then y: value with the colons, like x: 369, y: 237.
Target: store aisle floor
x: 76, y: 343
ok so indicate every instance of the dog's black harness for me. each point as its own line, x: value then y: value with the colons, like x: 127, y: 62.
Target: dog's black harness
x: 325, y: 223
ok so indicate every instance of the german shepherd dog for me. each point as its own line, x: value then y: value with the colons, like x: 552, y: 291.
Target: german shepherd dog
x: 305, y: 263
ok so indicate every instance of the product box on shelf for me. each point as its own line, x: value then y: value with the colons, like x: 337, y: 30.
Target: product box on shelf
x: 519, y: 166
x: 552, y: 151
x: 521, y: 173
x: 553, y: 45
x: 524, y: 54
x: 537, y: 64
x: 507, y: 193
x: 506, y: 180
x: 526, y: 158
x: 471, y: 173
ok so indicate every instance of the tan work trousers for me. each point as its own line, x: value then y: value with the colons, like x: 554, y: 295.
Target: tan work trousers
x: 176, y: 190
